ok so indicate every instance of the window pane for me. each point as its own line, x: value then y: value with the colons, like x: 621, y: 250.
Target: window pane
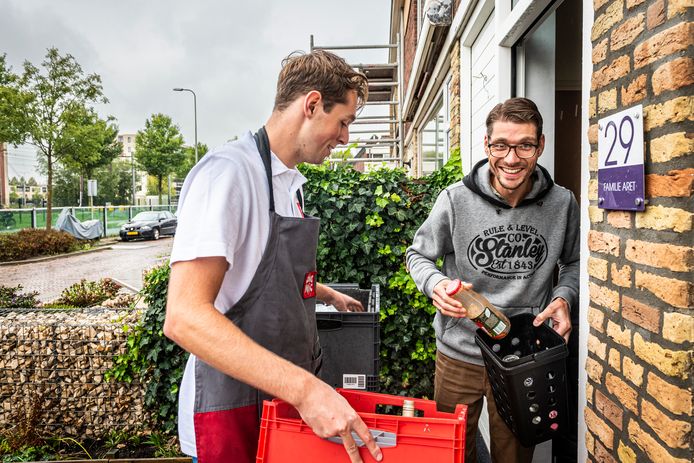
x: 433, y: 141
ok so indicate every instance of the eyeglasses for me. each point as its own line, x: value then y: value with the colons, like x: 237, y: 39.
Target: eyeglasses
x: 523, y: 151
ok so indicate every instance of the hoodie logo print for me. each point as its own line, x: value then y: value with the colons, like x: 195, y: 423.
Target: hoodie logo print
x: 508, y: 252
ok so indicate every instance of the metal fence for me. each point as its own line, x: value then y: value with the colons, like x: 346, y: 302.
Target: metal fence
x: 112, y: 217
x: 52, y: 368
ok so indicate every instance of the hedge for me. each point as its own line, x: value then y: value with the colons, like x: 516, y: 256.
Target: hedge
x: 367, y: 222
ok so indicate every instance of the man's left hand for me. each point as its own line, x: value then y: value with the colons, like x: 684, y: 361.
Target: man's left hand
x: 344, y: 303
x: 558, y: 312
x: 341, y: 301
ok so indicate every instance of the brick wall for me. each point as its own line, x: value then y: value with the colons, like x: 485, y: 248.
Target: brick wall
x: 410, y: 41
x: 454, y: 97
x: 639, y: 365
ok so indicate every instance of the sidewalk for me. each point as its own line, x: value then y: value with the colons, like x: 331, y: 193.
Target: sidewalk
x: 124, y: 262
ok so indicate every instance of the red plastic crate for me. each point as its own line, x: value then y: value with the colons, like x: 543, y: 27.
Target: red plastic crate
x: 434, y: 437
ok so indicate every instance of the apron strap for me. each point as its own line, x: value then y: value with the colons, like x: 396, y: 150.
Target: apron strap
x: 263, y: 145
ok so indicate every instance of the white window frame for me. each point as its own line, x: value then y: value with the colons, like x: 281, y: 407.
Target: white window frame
x: 443, y: 98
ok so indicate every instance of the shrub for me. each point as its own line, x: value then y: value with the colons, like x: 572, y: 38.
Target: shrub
x: 151, y: 356
x: 88, y: 293
x: 32, y: 242
x: 12, y: 298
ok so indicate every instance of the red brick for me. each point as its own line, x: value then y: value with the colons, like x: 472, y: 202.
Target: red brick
x: 613, y: 15
x: 677, y: 38
x: 603, y: 296
x: 609, y: 409
x: 619, y: 219
x: 654, y: 451
x: 597, y: 4
x: 593, y: 133
x: 621, y: 276
x: 611, y: 72
x: 635, y: 91
x: 598, y: 427
x: 643, y: 315
x: 596, y: 319
x: 602, y: 455
x: 600, y: 51
x: 594, y: 370
x: 674, y: 398
x: 656, y: 14
x: 624, y: 393
x: 604, y: 243
x: 619, y: 335
x: 627, y: 32
x: 678, y: 293
x: 673, y: 75
x: 676, y: 184
x: 632, y: 371
x: 674, y: 433
x: 659, y: 255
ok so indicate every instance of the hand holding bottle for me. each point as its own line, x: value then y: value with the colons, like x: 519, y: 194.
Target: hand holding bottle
x: 479, y: 309
x: 446, y: 304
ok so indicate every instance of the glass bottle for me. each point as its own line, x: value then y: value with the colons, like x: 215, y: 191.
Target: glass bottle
x: 408, y: 407
x: 480, y: 310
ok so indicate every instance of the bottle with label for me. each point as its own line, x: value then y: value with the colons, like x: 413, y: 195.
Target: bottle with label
x: 408, y: 407
x: 480, y: 310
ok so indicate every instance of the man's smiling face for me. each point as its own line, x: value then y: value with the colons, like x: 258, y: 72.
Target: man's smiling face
x: 511, y: 175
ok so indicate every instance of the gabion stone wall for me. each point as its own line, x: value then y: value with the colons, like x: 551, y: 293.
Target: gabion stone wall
x: 52, y: 367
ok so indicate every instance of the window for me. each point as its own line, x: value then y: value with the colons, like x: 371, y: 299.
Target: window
x: 434, y: 140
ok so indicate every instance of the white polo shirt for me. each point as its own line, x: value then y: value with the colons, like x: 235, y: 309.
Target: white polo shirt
x: 223, y: 211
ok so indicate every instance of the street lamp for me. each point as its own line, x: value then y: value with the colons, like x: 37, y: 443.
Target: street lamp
x: 195, y: 114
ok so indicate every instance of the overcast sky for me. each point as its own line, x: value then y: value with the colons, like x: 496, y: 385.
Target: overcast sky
x: 229, y: 52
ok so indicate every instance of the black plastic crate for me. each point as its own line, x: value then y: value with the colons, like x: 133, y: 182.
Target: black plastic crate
x: 351, y: 341
x: 527, y: 372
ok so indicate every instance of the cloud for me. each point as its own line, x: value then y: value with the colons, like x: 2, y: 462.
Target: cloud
x: 228, y: 52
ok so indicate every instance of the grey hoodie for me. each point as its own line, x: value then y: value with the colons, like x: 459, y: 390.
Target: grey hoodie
x: 508, y: 254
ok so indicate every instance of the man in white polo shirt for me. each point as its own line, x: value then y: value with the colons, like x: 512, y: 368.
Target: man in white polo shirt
x: 243, y: 272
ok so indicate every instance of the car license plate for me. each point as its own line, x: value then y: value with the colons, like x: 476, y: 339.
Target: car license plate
x: 132, y: 233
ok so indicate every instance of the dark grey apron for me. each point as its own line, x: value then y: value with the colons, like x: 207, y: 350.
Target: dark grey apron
x: 278, y: 312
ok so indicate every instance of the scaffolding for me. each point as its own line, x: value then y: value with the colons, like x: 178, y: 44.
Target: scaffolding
x: 376, y: 134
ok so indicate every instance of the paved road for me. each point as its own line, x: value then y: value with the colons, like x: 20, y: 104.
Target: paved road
x: 125, y: 262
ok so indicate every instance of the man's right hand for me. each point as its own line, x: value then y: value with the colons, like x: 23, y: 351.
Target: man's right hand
x: 329, y: 414
x: 446, y: 304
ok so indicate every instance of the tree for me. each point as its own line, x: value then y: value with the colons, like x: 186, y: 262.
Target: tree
x: 13, y: 103
x: 115, y: 183
x: 114, y: 180
x: 159, y: 148
x: 66, y: 187
x: 89, y: 143
x: 189, y: 160
x: 52, y: 101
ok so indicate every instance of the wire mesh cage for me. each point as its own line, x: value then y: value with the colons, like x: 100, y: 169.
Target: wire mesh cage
x: 52, y: 371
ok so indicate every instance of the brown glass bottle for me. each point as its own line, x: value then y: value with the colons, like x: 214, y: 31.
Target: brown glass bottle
x: 480, y: 310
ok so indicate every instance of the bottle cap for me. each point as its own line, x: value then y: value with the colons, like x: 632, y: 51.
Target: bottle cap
x: 453, y: 287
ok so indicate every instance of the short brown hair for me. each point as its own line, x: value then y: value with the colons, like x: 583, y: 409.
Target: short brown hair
x: 518, y: 110
x: 322, y: 71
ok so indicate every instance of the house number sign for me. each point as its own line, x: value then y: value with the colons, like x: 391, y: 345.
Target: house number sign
x: 620, y: 161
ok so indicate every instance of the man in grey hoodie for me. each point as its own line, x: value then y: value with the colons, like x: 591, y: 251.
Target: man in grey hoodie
x: 503, y: 230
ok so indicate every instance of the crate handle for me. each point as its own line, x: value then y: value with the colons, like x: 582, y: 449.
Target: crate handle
x: 383, y: 439
x: 329, y: 325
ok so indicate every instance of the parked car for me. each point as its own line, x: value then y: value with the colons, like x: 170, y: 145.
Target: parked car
x: 149, y: 225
